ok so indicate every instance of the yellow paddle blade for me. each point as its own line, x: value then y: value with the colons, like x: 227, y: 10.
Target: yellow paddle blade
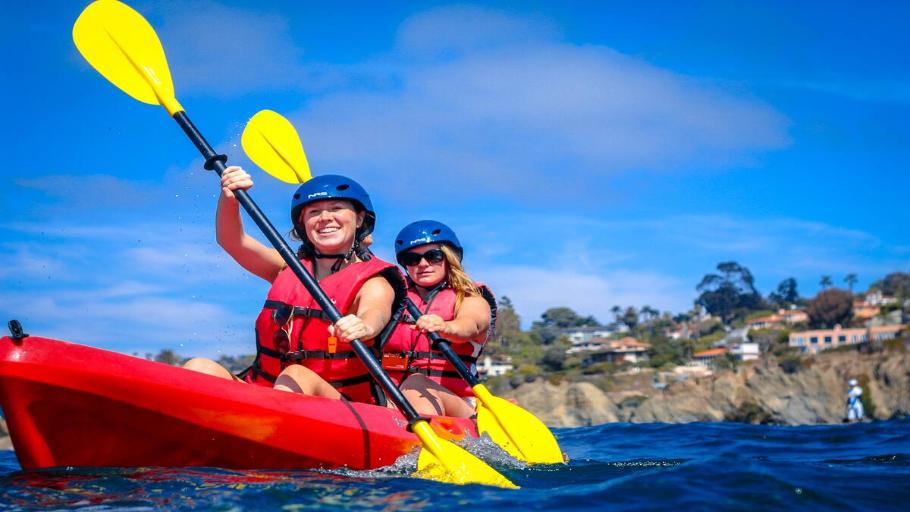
x: 124, y: 48
x: 516, y: 430
x: 444, y: 461
x: 272, y: 143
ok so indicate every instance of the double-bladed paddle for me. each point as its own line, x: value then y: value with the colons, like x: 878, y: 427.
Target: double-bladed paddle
x: 273, y: 144
x: 513, y: 428
x: 121, y: 45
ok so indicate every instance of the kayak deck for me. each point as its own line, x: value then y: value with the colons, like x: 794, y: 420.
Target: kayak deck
x: 73, y: 405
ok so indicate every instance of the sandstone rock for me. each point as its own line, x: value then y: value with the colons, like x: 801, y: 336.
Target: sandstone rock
x: 759, y: 393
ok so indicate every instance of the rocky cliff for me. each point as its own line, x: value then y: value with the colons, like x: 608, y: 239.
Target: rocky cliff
x: 812, y: 391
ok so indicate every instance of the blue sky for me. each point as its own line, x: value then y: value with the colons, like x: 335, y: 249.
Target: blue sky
x: 587, y: 153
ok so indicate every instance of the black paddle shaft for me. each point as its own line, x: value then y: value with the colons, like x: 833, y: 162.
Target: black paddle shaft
x: 216, y: 162
x: 445, y: 347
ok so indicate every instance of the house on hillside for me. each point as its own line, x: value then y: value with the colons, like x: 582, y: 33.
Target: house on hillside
x: 491, y: 368
x: 679, y: 332
x: 707, y: 357
x: 864, y: 311
x: 815, y: 341
x: 877, y: 298
x: 779, y: 320
x: 745, y: 351
x: 583, y: 335
x: 625, y: 350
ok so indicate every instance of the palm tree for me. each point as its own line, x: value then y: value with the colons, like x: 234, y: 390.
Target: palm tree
x: 617, y: 311
x: 850, y: 280
x: 825, y: 282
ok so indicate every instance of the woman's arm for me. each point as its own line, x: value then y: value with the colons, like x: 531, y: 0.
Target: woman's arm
x: 251, y: 254
x: 470, y: 323
x: 370, y: 312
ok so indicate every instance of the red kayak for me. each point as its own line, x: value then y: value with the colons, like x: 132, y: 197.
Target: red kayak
x: 72, y: 405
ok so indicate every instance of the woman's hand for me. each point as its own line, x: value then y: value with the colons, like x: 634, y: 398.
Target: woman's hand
x: 350, y: 328
x: 235, y: 178
x: 431, y: 323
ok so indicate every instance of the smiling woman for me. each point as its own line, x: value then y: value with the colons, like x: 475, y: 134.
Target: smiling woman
x: 297, y: 348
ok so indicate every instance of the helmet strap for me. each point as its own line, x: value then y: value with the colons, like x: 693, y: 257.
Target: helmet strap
x: 340, y: 258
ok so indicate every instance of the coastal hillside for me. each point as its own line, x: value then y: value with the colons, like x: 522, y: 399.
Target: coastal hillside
x: 812, y: 391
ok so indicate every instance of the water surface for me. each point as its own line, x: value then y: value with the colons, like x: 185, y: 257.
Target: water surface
x: 698, y: 466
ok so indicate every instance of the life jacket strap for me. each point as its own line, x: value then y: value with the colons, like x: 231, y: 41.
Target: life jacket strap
x: 283, y: 312
x: 431, y: 355
x: 299, y: 355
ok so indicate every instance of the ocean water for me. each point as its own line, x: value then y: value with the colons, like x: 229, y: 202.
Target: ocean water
x: 699, y: 466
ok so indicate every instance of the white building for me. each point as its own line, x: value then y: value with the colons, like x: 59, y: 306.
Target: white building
x: 583, y: 335
x: 490, y: 368
x: 745, y: 351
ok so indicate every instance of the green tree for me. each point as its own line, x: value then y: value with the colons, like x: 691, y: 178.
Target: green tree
x: 630, y: 317
x: 648, y: 313
x: 825, y: 282
x: 850, y: 279
x: 554, y: 321
x: 554, y: 358
x: 508, y: 328
x: 786, y: 294
x: 896, y: 284
x: 729, y: 294
x: 617, y: 312
x: 831, y: 307
x: 168, y: 356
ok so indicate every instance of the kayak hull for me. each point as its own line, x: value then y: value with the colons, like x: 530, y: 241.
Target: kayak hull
x: 73, y: 405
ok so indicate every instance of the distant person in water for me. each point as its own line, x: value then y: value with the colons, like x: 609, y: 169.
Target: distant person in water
x: 854, y: 402
x: 297, y: 347
x: 453, y: 306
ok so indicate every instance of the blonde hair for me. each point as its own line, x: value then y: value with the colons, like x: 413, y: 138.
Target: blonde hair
x: 457, y: 278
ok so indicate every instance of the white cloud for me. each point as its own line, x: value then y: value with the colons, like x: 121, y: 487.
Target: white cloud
x: 441, y: 31
x: 529, y: 115
x: 476, y: 101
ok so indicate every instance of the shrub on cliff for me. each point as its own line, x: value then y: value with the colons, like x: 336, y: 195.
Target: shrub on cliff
x: 749, y: 412
x: 790, y: 363
x: 831, y: 307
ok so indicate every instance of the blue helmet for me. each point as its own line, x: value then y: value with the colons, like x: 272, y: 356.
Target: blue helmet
x: 425, y: 232
x: 332, y: 186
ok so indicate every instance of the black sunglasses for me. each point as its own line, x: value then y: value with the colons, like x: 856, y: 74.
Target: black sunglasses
x: 409, y: 259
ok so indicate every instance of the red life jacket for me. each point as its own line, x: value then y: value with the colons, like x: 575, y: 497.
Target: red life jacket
x: 292, y: 329
x: 408, y: 351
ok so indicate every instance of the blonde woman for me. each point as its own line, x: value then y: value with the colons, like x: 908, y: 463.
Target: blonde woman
x: 453, y: 306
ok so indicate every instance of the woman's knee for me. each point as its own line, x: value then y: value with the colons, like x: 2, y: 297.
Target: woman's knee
x: 208, y: 367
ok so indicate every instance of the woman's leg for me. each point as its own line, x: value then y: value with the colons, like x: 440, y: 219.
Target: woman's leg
x: 209, y: 367
x: 300, y: 379
x: 429, y: 397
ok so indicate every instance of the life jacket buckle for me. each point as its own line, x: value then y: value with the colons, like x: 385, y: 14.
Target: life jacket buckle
x: 332, y: 345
